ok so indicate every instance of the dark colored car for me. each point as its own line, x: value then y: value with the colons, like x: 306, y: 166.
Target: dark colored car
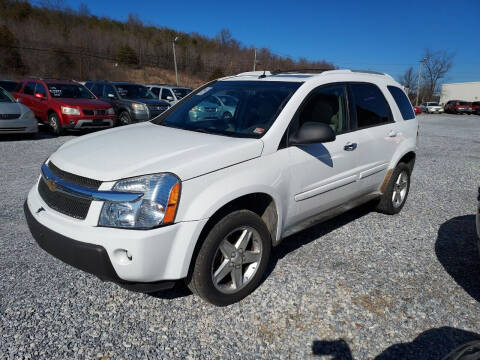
x: 8, y: 85
x: 64, y: 104
x: 132, y: 102
x: 458, y: 107
x: 476, y: 107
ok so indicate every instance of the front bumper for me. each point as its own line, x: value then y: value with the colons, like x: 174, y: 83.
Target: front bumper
x: 19, y: 126
x: 130, y: 258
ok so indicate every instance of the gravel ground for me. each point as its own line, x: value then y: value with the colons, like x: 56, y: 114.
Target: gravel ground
x: 361, y: 286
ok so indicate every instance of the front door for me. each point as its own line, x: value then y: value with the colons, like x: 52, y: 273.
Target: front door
x: 323, y: 176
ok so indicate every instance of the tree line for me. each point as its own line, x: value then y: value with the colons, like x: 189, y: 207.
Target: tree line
x: 52, y: 40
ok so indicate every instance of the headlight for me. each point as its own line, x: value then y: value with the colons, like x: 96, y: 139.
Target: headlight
x: 139, y: 107
x: 110, y: 111
x: 28, y: 114
x: 156, y: 207
x: 70, y: 111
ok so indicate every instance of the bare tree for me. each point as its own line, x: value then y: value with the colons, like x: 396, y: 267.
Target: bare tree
x: 436, y: 66
x: 409, y: 80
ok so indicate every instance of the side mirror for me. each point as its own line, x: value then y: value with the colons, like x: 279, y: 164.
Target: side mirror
x: 170, y: 98
x: 39, y: 96
x: 311, y: 133
x: 111, y: 96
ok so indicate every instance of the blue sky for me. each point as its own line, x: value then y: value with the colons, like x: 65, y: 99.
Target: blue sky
x: 387, y: 36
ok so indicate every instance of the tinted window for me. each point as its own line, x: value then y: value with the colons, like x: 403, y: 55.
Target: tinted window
x: 134, y: 91
x: 181, y: 92
x: 166, y: 93
x: 156, y: 91
x: 97, y: 90
x: 69, y: 91
x: 328, y: 105
x: 370, y: 105
x: 29, y: 88
x: 109, y: 90
x: 402, y: 101
x: 5, y: 96
x: 8, y: 85
x: 41, y: 89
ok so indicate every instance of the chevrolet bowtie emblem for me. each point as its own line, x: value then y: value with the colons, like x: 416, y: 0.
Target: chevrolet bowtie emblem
x: 52, y: 185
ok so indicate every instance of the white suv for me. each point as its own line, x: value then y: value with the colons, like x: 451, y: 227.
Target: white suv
x: 177, y: 198
x: 172, y: 94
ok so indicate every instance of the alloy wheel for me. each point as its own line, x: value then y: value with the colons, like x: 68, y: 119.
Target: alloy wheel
x: 236, y: 260
x: 400, y: 189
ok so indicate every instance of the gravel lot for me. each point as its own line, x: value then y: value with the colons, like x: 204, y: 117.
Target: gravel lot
x: 361, y: 286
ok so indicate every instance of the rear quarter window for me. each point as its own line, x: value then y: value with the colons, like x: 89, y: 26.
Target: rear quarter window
x: 403, y: 103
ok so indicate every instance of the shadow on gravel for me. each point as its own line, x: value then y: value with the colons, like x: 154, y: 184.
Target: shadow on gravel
x: 456, y: 249
x: 296, y: 241
x: 431, y: 344
x: 179, y: 290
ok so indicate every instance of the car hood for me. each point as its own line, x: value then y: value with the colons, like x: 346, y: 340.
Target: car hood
x: 91, y: 103
x: 147, y: 148
x: 12, y: 108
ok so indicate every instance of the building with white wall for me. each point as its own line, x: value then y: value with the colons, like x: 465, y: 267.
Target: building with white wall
x: 466, y: 91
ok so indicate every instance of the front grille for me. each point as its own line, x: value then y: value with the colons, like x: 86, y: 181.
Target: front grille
x: 9, y: 116
x: 74, y: 179
x: 64, y: 203
x: 159, y: 108
x: 91, y: 112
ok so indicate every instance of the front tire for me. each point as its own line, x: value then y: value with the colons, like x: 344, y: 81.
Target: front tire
x: 55, y: 124
x: 395, y: 196
x: 232, y: 260
x: 124, y: 118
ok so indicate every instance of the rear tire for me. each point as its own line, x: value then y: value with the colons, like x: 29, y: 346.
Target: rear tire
x: 395, y: 196
x: 55, y: 124
x: 232, y: 260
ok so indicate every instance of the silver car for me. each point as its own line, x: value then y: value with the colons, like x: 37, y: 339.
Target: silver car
x: 15, y: 118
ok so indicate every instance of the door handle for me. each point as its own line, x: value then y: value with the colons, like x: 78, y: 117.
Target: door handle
x: 349, y: 146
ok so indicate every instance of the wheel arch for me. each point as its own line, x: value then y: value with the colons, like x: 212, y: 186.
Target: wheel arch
x: 261, y: 203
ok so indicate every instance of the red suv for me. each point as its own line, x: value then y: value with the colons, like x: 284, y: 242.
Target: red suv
x: 458, y: 107
x: 64, y: 105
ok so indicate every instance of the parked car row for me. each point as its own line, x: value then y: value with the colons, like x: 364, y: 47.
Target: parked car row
x: 67, y: 104
x: 451, y: 107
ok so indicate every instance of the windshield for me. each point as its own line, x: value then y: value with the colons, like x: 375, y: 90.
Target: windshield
x: 232, y: 108
x: 132, y: 91
x: 69, y: 91
x: 5, y: 97
x: 462, y: 103
x: 181, y: 92
x: 433, y: 104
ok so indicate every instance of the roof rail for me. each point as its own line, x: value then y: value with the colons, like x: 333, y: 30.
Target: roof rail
x: 368, y: 72
x: 319, y: 70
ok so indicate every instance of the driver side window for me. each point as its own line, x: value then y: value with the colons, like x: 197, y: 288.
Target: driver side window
x: 328, y: 105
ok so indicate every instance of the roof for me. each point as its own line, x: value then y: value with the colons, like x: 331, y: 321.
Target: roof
x: 301, y: 76
x: 51, y: 81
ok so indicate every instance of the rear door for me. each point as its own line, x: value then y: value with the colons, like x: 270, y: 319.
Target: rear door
x: 377, y: 132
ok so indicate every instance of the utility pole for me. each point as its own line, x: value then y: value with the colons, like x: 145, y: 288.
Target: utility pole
x: 175, y: 58
x: 419, y: 76
x: 255, y: 59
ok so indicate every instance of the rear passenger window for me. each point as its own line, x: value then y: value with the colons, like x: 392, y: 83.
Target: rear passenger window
x: 156, y: 91
x: 402, y: 101
x: 370, y: 105
x: 29, y: 88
